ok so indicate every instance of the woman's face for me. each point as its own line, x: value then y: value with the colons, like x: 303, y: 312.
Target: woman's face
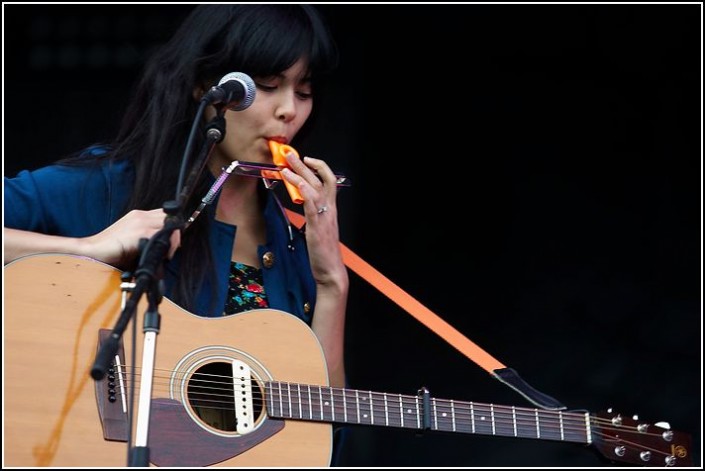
x: 281, y: 106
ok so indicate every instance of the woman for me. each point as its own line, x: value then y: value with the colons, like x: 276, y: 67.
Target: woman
x: 241, y: 253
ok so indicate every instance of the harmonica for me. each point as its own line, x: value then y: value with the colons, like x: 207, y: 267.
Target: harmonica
x: 273, y: 172
x: 270, y: 173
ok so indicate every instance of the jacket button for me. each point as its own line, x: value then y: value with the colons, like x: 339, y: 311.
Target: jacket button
x: 307, y: 307
x: 268, y: 260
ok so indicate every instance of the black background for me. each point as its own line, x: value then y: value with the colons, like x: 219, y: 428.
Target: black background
x: 530, y: 173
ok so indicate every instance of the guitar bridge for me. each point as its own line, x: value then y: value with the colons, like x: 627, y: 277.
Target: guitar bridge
x: 110, y: 394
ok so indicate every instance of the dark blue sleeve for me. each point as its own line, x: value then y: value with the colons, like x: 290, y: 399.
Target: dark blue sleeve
x: 72, y: 201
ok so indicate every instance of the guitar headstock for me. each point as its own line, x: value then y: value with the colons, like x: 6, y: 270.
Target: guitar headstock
x: 631, y: 440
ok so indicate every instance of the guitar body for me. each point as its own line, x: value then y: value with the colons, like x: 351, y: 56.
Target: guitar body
x: 57, y: 415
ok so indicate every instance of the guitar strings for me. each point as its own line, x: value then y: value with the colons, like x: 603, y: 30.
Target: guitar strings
x: 571, y: 428
x: 499, y: 415
x: 338, y: 393
x: 568, y: 419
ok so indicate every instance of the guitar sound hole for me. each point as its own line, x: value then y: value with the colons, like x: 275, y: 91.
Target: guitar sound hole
x: 210, y: 394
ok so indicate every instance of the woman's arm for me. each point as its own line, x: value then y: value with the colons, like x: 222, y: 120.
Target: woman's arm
x: 329, y: 325
x: 116, y: 245
x: 17, y: 243
x: 327, y: 266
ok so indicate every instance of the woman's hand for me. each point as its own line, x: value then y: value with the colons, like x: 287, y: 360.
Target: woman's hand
x: 317, y: 184
x: 118, y: 244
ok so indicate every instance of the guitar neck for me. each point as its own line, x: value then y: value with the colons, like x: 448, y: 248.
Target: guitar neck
x: 350, y: 406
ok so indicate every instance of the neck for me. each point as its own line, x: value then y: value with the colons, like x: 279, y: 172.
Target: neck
x: 239, y: 201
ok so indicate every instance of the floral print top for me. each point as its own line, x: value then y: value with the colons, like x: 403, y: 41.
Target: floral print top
x: 245, y: 289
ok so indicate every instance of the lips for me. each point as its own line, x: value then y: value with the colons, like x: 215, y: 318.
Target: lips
x: 279, y: 139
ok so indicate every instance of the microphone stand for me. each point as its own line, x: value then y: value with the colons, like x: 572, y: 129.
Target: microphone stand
x: 150, y: 271
x: 215, y: 133
x: 148, y: 279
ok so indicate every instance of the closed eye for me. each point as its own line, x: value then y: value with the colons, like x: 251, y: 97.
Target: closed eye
x: 301, y: 94
x: 265, y: 88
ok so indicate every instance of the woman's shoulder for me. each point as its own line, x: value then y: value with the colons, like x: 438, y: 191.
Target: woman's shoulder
x: 95, y: 178
x: 71, y: 198
x: 90, y: 163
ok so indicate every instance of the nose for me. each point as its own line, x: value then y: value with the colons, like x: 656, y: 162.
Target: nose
x: 286, y: 107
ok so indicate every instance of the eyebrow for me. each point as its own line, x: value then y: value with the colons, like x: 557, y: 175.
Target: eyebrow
x: 280, y: 75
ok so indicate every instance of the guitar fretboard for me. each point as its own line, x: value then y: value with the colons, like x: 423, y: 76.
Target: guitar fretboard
x: 351, y: 406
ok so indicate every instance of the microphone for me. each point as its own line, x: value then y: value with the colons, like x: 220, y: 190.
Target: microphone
x: 235, y: 91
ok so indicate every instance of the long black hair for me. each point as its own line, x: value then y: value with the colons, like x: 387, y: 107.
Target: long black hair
x: 213, y: 40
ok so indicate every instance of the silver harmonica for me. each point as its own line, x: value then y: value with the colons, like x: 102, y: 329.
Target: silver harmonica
x: 272, y: 172
x: 268, y: 172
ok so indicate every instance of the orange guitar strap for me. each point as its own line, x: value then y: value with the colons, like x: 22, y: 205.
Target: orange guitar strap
x: 431, y: 320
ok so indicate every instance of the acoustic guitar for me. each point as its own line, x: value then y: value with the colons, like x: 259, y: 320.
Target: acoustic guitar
x: 245, y: 390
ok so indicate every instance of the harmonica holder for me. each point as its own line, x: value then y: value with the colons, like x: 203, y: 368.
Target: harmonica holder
x: 270, y: 175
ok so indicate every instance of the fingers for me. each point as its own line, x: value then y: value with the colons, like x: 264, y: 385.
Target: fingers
x: 315, y: 172
x: 175, y: 243
x: 144, y: 224
x: 316, y: 183
x: 303, y: 170
x: 322, y: 169
x: 131, y: 228
x: 154, y: 222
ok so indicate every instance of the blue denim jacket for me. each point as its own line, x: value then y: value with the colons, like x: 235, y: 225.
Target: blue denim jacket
x: 78, y: 201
